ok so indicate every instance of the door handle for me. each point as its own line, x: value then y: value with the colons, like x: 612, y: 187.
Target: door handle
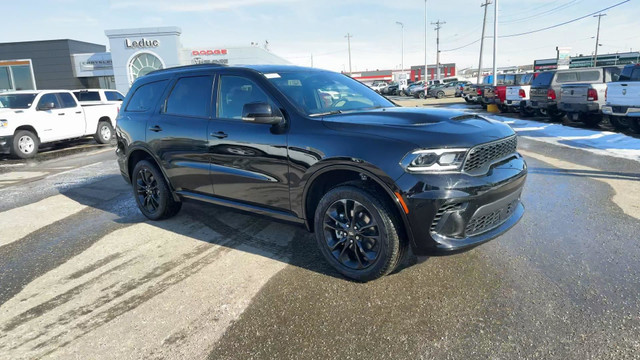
x: 155, y: 128
x: 78, y: 112
x: 60, y: 114
x: 219, y: 135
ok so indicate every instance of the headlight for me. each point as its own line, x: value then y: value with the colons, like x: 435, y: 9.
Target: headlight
x: 4, y: 123
x: 434, y: 160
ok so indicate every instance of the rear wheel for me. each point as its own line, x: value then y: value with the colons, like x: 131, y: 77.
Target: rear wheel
x: 152, y: 192
x: 421, y: 95
x: 358, y: 233
x: 620, y: 123
x: 634, y: 125
x: 591, y: 120
x: 556, y: 115
x: 104, y: 133
x: 440, y: 95
x: 25, y: 144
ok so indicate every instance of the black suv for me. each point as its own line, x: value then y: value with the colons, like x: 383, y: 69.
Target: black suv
x: 320, y: 149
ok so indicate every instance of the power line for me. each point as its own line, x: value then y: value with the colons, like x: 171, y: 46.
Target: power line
x: 563, y: 6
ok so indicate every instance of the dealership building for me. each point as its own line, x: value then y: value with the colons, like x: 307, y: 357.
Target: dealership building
x: 71, y: 64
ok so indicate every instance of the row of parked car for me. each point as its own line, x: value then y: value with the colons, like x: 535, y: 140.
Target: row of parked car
x: 33, y: 117
x: 418, y: 89
x: 586, y: 95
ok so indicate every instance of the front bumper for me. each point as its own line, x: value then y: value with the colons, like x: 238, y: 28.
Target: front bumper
x: 621, y: 111
x: 450, y: 213
x: 5, y: 144
x: 591, y: 107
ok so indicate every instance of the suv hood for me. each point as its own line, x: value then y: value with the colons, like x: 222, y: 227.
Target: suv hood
x: 424, y: 127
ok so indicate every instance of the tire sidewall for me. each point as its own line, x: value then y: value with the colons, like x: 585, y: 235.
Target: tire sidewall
x: 389, y: 245
x: 16, y: 149
x: 98, y: 135
x: 163, y: 190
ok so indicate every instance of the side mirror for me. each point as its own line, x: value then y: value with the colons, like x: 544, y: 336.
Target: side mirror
x: 260, y: 113
x: 47, y: 106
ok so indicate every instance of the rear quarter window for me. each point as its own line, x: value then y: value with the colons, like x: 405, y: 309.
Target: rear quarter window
x: 146, y: 96
x: 630, y: 73
x: 87, y: 96
x: 564, y: 77
x: 589, y: 75
x: 543, y: 79
x: 113, y: 96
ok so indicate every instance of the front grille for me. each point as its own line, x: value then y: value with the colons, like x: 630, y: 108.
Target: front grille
x: 481, y: 156
x: 480, y: 224
x: 444, y: 209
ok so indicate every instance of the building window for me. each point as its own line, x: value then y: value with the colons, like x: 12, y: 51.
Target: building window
x: 16, y: 75
x: 142, y: 64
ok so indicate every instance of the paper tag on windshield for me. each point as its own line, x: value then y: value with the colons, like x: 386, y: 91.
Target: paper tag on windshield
x: 272, y: 75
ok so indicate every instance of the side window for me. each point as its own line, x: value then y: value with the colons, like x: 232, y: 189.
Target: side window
x: 567, y: 77
x: 146, y: 96
x: 113, y: 96
x: 67, y: 100
x: 88, y: 96
x: 234, y: 93
x: 49, y: 98
x: 635, y: 75
x: 589, y: 75
x: 191, y: 96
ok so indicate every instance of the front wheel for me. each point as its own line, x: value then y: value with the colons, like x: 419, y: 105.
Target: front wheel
x: 25, y: 144
x: 152, y: 193
x: 440, y: 95
x: 104, y: 133
x: 421, y: 95
x: 358, y: 233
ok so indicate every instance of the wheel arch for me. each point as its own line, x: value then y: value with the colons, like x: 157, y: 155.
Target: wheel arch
x: 333, y: 175
x: 28, y: 128
x: 141, y: 153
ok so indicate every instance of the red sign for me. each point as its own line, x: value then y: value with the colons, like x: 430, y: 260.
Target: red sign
x: 209, y: 52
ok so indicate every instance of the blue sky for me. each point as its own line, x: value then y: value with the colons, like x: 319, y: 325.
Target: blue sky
x: 296, y: 29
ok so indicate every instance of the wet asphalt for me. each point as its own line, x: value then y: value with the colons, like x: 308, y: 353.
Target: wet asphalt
x: 562, y: 284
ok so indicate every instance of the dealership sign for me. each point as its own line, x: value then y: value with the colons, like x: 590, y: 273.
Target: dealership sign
x: 142, y: 43
x: 209, y: 52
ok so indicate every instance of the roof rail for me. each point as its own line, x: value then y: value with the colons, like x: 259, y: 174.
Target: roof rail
x: 186, y: 67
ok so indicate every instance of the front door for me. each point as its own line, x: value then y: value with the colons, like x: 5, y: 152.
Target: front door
x: 249, y: 161
x: 178, y: 135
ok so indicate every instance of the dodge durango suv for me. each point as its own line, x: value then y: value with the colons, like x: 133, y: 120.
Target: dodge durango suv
x: 320, y: 149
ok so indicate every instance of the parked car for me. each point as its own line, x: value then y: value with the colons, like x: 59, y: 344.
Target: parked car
x: 392, y: 89
x: 546, y: 88
x: 98, y: 96
x: 584, y: 101
x: 31, y: 118
x: 623, y: 100
x: 377, y: 86
x: 472, y: 93
x: 490, y: 93
x: 368, y: 177
x: 409, y: 91
x: 517, y: 94
x: 446, y: 90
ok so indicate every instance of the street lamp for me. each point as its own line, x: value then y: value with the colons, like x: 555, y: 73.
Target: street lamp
x: 402, y: 26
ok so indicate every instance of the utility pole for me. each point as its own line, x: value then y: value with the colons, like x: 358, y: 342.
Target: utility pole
x: 349, y: 36
x: 311, y: 59
x: 484, y: 25
x: 437, y: 24
x: 425, y: 43
x: 402, y: 59
x: 595, y: 59
x: 495, y: 43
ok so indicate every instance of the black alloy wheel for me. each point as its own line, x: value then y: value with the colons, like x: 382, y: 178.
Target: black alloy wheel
x: 352, y: 234
x: 152, y: 193
x: 358, y: 233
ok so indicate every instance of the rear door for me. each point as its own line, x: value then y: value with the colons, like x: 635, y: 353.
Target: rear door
x: 178, y: 134
x: 71, y: 120
x: 249, y: 162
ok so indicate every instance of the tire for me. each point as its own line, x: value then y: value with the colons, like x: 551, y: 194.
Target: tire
x: 25, y: 144
x: 421, y: 95
x: 152, y: 193
x: 467, y: 100
x: 524, y: 112
x: 634, y: 125
x: 590, y: 120
x: 354, y: 252
x: 620, y: 123
x: 440, y: 95
x: 555, y: 115
x: 104, y: 133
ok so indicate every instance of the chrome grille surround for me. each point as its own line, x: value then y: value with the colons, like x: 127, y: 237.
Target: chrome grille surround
x: 481, y: 157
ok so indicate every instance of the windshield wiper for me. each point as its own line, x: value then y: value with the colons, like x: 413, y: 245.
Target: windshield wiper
x: 332, y: 112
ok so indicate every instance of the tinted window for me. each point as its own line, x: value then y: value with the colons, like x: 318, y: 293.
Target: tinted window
x: 524, y: 79
x: 113, y: 96
x: 235, y: 92
x: 5, y: 79
x: 509, y: 79
x: 49, y: 98
x: 22, y: 77
x: 87, y: 95
x: 17, y: 101
x: 146, y: 96
x: 543, y: 79
x: 612, y: 74
x: 67, y: 100
x: 567, y: 77
x: 630, y: 73
x: 589, y: 75
x: 191, y: 96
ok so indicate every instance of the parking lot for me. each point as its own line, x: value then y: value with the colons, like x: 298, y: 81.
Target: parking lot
x: 84, y: 275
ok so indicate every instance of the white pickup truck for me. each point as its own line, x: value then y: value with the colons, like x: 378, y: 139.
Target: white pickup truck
x: 517, y: 95
x: 30, y: 118
x: 623, y: 100
x: 98, y: 96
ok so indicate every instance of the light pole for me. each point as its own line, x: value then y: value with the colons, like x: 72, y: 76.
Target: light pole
x: 595, y: 59
x: 425, y: 42
x: 349, y: 36
x: 402, y: 61
x: 484, y: 24
x: 495, y: 43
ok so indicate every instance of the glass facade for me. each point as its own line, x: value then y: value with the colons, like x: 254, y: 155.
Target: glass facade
x: 16, y: 75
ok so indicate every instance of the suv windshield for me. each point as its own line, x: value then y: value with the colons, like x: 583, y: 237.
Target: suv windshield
x: 322, y: 92
x: 543, y: 79
x: 16, y: 101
